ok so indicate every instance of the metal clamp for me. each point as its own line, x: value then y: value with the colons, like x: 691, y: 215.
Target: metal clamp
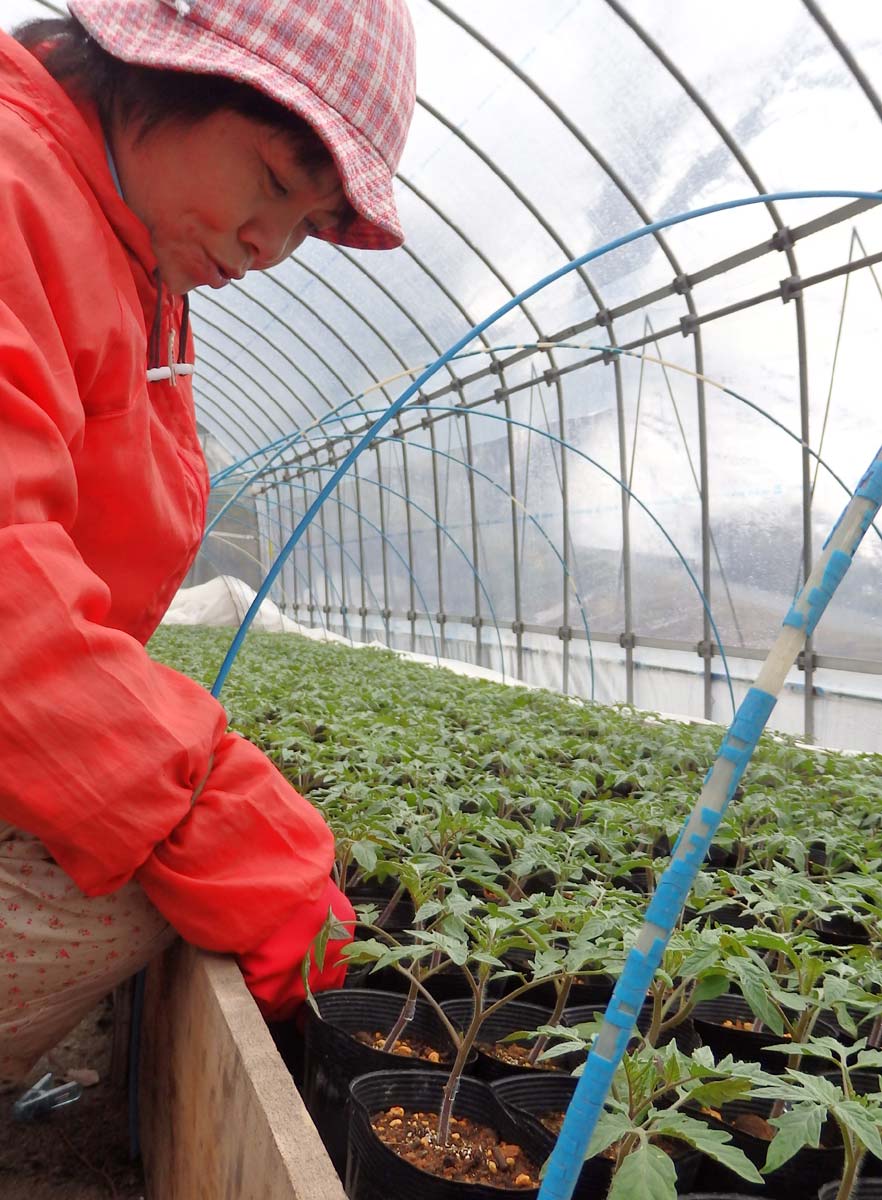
x: 43, y: 1097
x: 806, y: 660
x: 790, y: 288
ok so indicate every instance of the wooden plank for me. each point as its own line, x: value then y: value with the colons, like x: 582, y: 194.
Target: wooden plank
x: 221, y: 1118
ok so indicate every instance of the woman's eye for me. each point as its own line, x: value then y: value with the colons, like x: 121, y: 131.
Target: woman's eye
x: 276, y: 183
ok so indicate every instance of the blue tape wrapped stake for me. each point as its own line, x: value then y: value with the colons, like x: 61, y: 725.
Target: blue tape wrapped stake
x: 692, y: 845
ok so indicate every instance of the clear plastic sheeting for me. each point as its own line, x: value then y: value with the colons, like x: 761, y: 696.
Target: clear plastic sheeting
x: 637, y: 464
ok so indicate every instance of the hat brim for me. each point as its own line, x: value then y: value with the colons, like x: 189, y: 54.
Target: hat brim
x: 152, y: 35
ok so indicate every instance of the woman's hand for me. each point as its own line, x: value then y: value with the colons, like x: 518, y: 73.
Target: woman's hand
x: 273, y: 972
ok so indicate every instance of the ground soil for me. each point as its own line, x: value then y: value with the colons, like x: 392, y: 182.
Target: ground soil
x: 80, y: 1152
x: 474, y: 1154
x: 515, y: 1056
x: 553, y: 1121
x: 405, y: 1047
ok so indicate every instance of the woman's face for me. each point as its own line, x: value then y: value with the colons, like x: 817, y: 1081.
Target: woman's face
x: 223, y: 196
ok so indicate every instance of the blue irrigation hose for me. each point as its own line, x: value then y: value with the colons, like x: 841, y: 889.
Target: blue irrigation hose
x: 414, y: 387
x: 664, y: 909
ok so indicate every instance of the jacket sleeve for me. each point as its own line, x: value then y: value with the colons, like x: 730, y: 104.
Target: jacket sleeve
x: 102, y: 748
x: 273, y: 970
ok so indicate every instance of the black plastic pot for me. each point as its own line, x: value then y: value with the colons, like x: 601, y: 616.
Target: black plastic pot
x: 398, y: 917
x: 727, y: 1196
x: 864, y: 1189
x: 723, y: 914
x: 289, y: 1040
x: 511, y: 1017
x: 332, y: 1056
x: 865, y: 1082
x: 746, y: 1045
x: 448, y: 984
x: 798, y: 1176
x: 374, y: 1172
x: 683, y: 1035
x: 589, y: 989
x: 842, y: 930
x: 641, y: 880
x: 528, y: 1099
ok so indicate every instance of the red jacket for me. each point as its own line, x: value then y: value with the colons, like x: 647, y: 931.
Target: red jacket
x: 102, y: 504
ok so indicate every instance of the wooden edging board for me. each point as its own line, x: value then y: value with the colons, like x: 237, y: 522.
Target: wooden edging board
x: 220, y: 1116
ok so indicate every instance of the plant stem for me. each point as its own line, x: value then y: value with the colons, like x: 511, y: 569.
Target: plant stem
x: 452, y: 1085
x: 658, y: 992
x: 390, y: 907
x: 853, y: 1158
x: 626, y: 1145
x: 404, y: 1017
x: 560, y: 1004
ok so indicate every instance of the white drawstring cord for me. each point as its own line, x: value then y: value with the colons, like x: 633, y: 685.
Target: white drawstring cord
x: 183, y: 7
x: 174, y: 368
x: 157, y: 373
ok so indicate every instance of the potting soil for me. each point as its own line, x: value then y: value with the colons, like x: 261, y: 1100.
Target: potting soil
x: 474, y: 1154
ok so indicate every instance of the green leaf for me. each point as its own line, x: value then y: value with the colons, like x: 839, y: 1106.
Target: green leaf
x: 320, y: 942
x: 704, y: 1056
x: 710, y: 987
x: 798, y: 1128
x: 821, y: 1047
x: 720, y: 1091
x: 428, y: 910
x: 365, y: 854
x: 860, y: 1122
x: 367, y: 950
x: 869, y: 1058
x: 646, y: 1174
x: 305, y: 966
x: 754, y: 983
x: 456, y: 951
x: 715, y: 1143
x: 817, y: 1087
x: 611, y: 1127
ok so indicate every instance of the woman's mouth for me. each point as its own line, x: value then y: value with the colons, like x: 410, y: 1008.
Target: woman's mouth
x: 219, y: 276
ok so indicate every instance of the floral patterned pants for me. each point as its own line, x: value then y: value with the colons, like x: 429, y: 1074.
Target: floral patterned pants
x: 60, y: 951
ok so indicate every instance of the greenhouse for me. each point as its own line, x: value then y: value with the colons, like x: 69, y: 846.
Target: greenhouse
x: 539, y: 559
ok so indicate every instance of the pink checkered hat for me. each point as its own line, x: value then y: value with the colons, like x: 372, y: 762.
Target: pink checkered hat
x: 345, y: 66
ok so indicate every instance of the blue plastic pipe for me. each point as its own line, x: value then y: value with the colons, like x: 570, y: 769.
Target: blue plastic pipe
x: 414, y: 388
x: 692, y: 845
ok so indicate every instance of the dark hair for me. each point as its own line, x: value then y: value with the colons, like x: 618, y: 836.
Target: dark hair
x: 152, y: 96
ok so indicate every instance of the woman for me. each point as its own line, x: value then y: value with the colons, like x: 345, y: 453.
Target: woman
x: 146, y: 148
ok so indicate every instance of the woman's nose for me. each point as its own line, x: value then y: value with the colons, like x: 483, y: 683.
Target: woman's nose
x: 269, y: 241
